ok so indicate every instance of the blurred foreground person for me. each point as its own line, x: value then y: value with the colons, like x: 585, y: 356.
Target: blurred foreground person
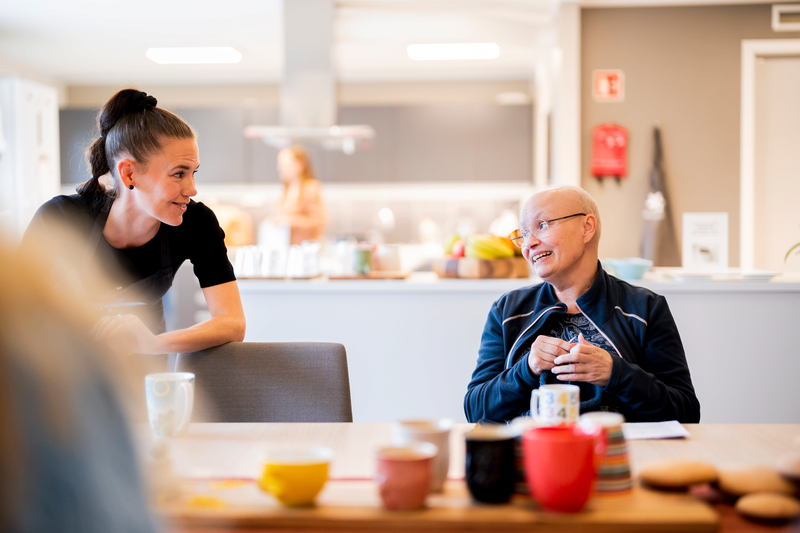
x: 615, y: 341
x: 141, y: 225
x: 301, y: 206
x: 67, y: 461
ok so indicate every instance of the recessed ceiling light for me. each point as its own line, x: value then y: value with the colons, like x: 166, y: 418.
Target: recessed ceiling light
x: 433, y: 52
x: 171, y: 56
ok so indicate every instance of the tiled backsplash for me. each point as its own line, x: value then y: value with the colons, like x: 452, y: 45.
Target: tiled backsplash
x: 353, y: 209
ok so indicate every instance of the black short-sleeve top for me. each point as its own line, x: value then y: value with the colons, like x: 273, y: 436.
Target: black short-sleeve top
x: 199, y: 238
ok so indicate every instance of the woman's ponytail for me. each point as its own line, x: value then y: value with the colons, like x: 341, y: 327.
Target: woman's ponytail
x: 130, y: 124
x: 98, y: 165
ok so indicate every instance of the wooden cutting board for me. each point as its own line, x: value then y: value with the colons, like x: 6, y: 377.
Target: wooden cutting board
x: 375, y: 274
x: 512, y: 267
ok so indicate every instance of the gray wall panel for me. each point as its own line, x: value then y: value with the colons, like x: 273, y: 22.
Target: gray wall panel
x: 426, y: 143
x: 221, y: 143
x: 262, y: 158
x: 77, y: 131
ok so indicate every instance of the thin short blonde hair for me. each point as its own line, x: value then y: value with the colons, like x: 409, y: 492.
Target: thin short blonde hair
x: 583, y: 201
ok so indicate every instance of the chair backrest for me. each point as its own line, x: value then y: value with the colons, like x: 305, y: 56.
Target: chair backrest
x: 270, y: 382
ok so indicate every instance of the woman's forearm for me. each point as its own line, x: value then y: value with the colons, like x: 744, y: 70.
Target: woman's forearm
x: 213, y: 332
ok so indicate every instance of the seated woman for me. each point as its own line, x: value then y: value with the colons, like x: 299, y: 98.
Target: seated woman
x: 141, y: 228
x: 301, y: 207
x: 67, y: 455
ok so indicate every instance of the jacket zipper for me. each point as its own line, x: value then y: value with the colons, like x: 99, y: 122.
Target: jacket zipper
x: 511, y: 351
x: 600, y: 330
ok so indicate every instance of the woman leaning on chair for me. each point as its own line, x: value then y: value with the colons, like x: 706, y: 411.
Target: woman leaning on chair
x: 139, y: 224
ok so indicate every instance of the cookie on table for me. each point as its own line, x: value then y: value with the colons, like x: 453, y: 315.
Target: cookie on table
x: 789, y: 467
x: 768, y: 506
x: 741, y: 481
x: 673, y: 474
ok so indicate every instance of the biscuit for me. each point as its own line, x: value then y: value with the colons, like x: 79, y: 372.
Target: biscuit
x: 789, y: 467
x: 741, y: 481
x: 768, y: 506
x: 677, y: 474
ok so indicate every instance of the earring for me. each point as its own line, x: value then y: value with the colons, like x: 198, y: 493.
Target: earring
x: 130, y: 186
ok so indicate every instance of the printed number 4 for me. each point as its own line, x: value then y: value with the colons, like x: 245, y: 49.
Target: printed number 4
x: 562, y: 398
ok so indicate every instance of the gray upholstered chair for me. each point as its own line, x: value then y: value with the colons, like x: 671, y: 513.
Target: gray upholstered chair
x: 270, y: 382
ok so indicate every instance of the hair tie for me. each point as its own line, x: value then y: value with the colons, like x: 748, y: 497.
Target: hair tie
x: 139, y: 102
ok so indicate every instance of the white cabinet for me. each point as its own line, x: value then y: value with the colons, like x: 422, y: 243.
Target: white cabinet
x: 29, y: 163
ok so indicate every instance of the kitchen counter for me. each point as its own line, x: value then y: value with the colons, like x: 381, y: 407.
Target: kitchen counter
x: 430, y: 282
x: 412, y: 344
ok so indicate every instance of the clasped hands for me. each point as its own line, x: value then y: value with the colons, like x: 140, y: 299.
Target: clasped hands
x: 571, y: 361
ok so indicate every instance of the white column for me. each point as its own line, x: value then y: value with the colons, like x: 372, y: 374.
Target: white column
x: 566, y: 148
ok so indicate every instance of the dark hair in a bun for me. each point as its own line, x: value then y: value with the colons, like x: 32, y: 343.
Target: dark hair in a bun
x: 130, y: 125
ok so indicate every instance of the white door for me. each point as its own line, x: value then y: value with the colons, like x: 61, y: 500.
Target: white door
x: 777, y: 162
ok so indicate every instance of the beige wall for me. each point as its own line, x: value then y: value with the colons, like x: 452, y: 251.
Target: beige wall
x: 682, y: 69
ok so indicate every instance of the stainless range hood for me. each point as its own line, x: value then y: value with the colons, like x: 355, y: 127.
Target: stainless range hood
x: 308, y: 89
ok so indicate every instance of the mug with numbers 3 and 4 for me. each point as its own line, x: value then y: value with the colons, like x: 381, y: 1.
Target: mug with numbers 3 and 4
x: 553, y: 405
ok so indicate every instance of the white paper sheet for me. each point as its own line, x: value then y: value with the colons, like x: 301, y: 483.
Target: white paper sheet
x: 654, y: 430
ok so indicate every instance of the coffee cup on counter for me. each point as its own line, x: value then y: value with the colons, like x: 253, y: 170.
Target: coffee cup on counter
x: 387, y: 257
x: 361, y: 257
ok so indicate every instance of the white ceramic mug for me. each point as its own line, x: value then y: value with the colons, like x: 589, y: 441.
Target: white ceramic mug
x: 437, y: 432
x: 556, y: 404
x: 170, y: 398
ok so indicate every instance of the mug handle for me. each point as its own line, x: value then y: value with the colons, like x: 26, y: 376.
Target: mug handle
x: 188, y: 394
x: 535, y: 405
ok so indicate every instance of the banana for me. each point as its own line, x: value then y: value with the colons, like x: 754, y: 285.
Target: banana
x: 485, y: 246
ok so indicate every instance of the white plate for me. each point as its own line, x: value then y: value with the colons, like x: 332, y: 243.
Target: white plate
x: 758, y: 275
x: 732, y: 274
x: 689, y: 277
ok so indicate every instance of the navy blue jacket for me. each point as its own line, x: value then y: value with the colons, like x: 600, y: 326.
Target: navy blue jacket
x: 650, y: 380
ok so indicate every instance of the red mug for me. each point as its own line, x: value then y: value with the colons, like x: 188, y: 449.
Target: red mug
x: 561, y: 465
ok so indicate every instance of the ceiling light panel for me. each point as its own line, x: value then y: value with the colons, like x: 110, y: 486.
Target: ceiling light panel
x: 442, y: 52
x: 175, y: 56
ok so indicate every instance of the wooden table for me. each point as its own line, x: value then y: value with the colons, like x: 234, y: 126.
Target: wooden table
x: 217, y: 462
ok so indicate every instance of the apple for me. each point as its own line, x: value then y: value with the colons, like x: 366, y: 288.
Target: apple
x: 457, y: 251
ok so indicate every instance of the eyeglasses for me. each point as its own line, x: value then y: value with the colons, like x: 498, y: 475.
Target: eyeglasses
x: 541, y: 228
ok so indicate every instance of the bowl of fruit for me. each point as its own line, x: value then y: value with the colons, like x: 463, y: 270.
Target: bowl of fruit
x: 481, y: 255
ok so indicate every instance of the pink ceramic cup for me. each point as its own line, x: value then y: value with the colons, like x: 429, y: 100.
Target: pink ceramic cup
x: 404, y: 475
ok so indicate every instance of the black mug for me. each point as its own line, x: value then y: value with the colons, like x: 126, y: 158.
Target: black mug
x: 490, y: 470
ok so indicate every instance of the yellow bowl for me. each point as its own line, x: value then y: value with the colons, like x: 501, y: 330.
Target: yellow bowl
x: 295, y: 476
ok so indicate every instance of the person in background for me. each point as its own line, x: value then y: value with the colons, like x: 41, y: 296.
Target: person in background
x: 141, y: 225
x: 617, y: 342
x: 301, y: 206
x: 66, y: 455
